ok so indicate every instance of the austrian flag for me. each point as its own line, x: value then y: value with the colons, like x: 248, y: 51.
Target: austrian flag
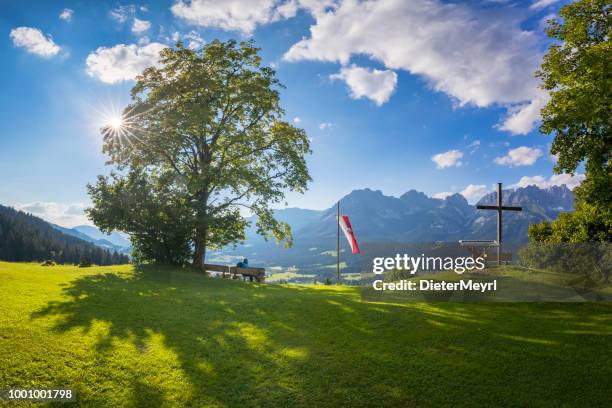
x: 345, y: 224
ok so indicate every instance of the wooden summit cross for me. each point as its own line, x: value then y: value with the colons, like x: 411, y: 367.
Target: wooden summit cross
x: 499, y: 208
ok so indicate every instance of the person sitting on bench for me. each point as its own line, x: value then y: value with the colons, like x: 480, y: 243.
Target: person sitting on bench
x: 243, y: 264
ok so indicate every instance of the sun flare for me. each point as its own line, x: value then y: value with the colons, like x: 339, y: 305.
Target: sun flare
x: 119, y: 127
x: 115, y: 122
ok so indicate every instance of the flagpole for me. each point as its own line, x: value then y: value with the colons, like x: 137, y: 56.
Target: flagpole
x: 338, y: 246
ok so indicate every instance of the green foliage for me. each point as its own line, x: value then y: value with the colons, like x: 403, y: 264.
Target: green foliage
x: 205, y: 130
x: 396, y: 275
x: 592, y: 260
x: 123, y: 336
x: 586, y: 224
x: 85, y: 263
x: 576, y: 72
x: 144, y: 205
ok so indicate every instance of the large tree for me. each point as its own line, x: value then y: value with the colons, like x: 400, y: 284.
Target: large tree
x: 202, y: 142
x: 577, y: 72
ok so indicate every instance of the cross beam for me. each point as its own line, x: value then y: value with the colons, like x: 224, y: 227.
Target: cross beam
x: 499, y: 208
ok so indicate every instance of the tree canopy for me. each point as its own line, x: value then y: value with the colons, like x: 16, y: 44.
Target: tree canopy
x: 202, y: 143
x: 577, y: 72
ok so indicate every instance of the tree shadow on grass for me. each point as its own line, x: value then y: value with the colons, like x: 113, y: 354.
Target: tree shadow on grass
x: 177, y: 338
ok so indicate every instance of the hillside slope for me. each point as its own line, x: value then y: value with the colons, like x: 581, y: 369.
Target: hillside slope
x: 164, y: 337
x: 24, y: 237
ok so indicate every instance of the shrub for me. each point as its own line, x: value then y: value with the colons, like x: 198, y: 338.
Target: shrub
x: 85, y: 263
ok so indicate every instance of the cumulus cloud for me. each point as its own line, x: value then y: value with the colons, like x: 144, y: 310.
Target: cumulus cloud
x: 122, y: 62
x: 325, y: 125
x: 442, y: 195
x: 571, y: 181
x: 138, y: 26
x: 234, y: 15
x: 479, y: 57
x: 448, y: 159
x: 66, y: 14
x: 522, y: 118
x: 297, y: 119
x: 474, y: 192
x: 521, y: 156
x: 67, y: 215
x: 34, y: 41
x: 377, y: 85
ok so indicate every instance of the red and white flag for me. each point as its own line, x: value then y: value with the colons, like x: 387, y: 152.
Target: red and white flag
x: 345, y: 224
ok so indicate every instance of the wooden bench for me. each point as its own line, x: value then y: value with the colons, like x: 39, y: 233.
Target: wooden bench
x: 257, y: 274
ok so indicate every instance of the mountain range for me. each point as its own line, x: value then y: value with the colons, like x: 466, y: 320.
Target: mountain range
x: 412, y: 217
x: 116, y: 241
x: 26, y: 238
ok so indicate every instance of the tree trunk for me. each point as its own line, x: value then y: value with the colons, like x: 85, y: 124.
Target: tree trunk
x: 201, y: 235
x: 200, y: 247
x: 200, y: 252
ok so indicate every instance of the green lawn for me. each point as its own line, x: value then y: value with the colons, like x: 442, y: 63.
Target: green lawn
x: 161, y: 337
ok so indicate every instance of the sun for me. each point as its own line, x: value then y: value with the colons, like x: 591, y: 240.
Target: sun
x: 118, y: 127
x: 115, y: 122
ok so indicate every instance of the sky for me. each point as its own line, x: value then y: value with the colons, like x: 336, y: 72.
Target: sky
x: 395, y: 95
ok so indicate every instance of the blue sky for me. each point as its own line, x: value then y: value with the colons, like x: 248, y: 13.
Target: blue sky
x: 428, y: 95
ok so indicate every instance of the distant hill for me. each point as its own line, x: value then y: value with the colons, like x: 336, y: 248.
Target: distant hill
x: 298, y: 218
x: 412, y: 217
x: 115, y: 238
x: 115, y: 241
x: 24, y: 237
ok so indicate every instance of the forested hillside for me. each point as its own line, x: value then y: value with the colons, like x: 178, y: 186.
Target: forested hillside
x: 24, y: 237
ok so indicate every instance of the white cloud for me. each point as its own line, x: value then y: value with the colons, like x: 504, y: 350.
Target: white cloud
x: 522, y: 118
x: 377, y: 85
x: 442, y: 195
x: 474, y: 192
x: 66, y: 14
x: 297, y: 119
x: 480, y: 57
x: 555, y: 180
x: 234, y: 15
x: 448, y: 159
x: 122, y: 62
x: 540, y: 4
x: 66, y: 215
x: 123, y: 13
x: 325, y: 125
x: 138, y: 26
x: 521, y: 156
x: 34, y: 41
x: 194, y: 40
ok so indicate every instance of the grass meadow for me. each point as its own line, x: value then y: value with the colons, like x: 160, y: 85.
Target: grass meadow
x: 158, y: 336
